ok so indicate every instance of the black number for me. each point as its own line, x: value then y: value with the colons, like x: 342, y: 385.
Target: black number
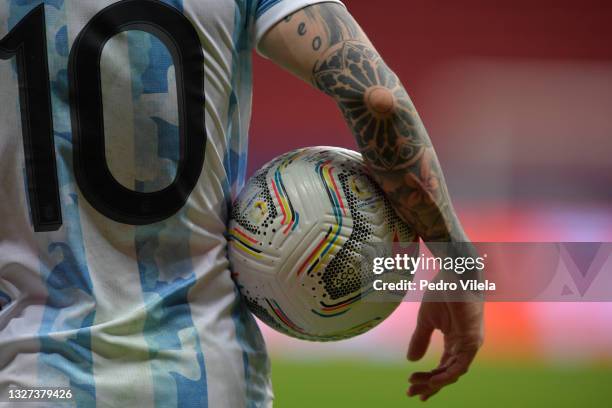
x: 93, y: 176
x: 28, y: 42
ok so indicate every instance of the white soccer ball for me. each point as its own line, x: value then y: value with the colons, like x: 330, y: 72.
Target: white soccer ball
x: 302, y: 238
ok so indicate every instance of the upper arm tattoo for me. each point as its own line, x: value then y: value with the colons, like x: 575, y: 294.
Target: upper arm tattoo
x: 383, y: 119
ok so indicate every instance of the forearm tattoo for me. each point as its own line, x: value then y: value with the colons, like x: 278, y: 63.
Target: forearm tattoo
x: 374, y: 104
x: 388, y: 130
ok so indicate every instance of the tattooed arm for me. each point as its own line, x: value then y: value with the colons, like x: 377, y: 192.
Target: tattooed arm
x: 323, y: 45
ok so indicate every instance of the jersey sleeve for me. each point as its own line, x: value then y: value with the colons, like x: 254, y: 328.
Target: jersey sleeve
x: 270, y: 12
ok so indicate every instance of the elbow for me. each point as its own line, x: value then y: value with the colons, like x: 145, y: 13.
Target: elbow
x: 380, y: 101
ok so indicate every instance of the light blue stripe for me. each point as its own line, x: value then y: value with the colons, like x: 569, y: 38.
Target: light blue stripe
x: 70, y: 305
x: 5, y: 299
x: 165, y: 286
x: 254, y: 355
x: 163, y: 249
x: 235, y: 160
x: 255, y: 359
x: 265, y: 5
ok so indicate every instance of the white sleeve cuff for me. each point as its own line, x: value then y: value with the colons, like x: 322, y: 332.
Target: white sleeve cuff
x: 279, y: 11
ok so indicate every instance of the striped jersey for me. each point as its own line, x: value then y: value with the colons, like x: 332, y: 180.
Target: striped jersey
x: 123, y: 138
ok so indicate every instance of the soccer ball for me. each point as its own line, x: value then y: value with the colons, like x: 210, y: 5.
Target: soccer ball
x: 302, y: 235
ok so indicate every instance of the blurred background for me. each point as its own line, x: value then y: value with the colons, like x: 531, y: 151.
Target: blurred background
x: 517, y: 98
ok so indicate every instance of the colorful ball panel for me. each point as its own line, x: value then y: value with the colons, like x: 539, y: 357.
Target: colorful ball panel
x: 301, y: 234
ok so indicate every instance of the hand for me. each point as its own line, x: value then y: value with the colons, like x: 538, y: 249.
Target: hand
x: 461, y: 323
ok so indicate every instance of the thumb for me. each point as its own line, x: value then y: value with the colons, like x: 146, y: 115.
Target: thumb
x: 420, y: 341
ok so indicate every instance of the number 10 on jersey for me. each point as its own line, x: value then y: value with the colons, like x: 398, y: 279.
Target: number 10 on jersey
x: 27, y: 43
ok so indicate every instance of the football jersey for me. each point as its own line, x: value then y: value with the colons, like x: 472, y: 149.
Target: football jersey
x: 123, y: 138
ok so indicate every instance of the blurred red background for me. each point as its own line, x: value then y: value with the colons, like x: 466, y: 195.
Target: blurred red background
x: 523, y: 88
x: 517, y: 98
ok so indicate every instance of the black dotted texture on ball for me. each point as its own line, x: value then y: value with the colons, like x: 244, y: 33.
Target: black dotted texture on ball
x: 341, y: 277
x: 260, y: 180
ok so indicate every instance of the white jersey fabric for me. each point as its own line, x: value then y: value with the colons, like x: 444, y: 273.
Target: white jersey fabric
x: 128, y: 315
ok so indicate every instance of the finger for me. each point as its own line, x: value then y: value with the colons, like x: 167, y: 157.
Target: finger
x: 423, y: 390
x: 420, y: 341
x: 446, y: 356
x: 420, y: 377
x: 459, y: 367
x: 418, y: 389
x: 424, y: 376
x: 448, y: 352
x: 426, y: 396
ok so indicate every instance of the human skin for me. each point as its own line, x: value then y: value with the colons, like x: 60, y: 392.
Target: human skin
x: 323, y: 45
